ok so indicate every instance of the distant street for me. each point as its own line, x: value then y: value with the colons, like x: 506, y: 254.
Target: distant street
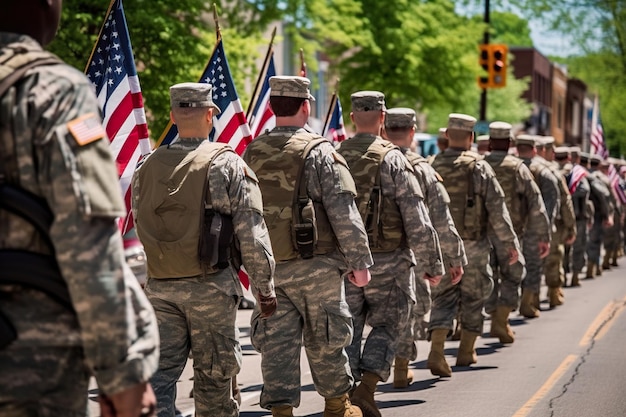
x: 569, y: 362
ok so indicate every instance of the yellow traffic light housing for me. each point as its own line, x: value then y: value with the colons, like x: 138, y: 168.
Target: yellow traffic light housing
x: 493, y: 60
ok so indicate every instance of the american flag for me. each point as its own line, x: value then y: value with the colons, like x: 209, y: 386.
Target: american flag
x: 336, y: 131
x: 575, y: 177
x: 114, y: 76
x: 262, y: 117
x: 230, y: 126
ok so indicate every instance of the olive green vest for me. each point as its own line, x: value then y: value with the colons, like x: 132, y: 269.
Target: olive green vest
x: 466, y: 206
x: 506, y: 167
x: 170, y: 208
x: 381, y: 215
x: 278, y: 157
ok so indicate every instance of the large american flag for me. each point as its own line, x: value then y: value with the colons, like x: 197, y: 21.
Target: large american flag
x: 114, y: 76
x: 262, y: 117
x: 336, y: 131
x: 230, y: 126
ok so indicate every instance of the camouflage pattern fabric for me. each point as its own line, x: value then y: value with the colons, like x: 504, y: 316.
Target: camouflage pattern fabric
x: 580, y: 199
x: 198, y: 313
x: 601, y: 198
x: 312, y: 309
x: 80, y: 185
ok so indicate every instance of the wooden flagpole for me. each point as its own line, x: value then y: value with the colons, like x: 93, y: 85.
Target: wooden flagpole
x: 268, y: 55
x: 93, y: 50
x: 331, y: 108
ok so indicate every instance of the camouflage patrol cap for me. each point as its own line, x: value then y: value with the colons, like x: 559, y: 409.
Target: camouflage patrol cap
x: 595, y: 159
x: 584, y: 157
x: 368, y: 101
x: 400, y: 117
x: 561, y: 152
x: 458, y: 121
x: 528, y: 140
x: 482, y: 138
x: 192, y: 95
x: 500, y: 130
x: 575, y: 150
x: 290, y: 86
x: 547, y: 141
x: 442, y: 133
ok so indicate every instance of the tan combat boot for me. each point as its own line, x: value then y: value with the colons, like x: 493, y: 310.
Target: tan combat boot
x: 436, y: 358
x: 606, y: 261
x: 282, y: 411
x: 500, y: 327
x: 575, y: 281
x: 554, y: 296
x: 590, y: 270
x: 363, y: 395
x: 402, y: 375
x: 341, y: 407
x: 467, y: 354
x: 527, y: 307
x: 614, y: 256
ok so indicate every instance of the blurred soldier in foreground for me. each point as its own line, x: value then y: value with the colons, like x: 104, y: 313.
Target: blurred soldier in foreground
x: 318, y: 236
x: 400, y: 124
x: 527, y: 146
x: 476, y: 200
x: 482, y: 145
x: 528, y: 214
x: 70, y: 307
x: 442, y: 140
x: 195, y: 203
x: 391, y: 205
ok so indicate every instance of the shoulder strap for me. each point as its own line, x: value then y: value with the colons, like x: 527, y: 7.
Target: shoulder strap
x: 376, y: 199
x: 208, y: 205
x: 300, y: 195
x: 14, y: 65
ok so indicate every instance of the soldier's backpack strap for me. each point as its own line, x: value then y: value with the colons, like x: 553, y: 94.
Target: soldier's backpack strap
x: 15, y: 61
x: 372, y: 220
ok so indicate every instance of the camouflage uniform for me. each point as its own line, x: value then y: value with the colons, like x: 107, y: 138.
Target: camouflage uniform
x: 452, y: 247
x: 197, y: 313
x: 113, y: 333
x: 602, y: 198
x: 311, y: 300
x: 580, y: 190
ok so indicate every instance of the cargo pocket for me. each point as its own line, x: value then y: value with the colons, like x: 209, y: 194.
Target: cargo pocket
x: 334, y: 325
x: 257, y: 331
x: 226, y: 353
x: 486, y: 281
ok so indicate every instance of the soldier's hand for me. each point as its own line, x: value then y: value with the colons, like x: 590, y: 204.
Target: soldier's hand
x: 268, y: 305
x: 570, y: 240
x: 544, y: 249
x: 138, y: 400
x: 456, y: 273
x: 359, y: 277
x: 434, y: 280
x: 513, y: 256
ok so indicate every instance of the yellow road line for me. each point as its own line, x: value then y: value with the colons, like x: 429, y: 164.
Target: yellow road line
x: 545, y: 388
x: 600, y: 320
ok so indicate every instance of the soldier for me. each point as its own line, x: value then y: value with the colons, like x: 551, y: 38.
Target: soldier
x: 601, y: 197
x: 612, y: 237
x: 442, y: 139
x: 482, y: 144
x: 565, y: 232
x: 400, y: 124
x: 476, y: 200
x: 71, y: 306
x: 191, y: 200
x: 395, y: 216
x: 579, y: 189
x: 305, y: 183
x: 528, y: 214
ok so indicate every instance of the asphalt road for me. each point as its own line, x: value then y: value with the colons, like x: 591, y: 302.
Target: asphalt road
x: 568, y: 362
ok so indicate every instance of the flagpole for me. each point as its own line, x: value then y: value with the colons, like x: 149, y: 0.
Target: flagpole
x: 268, y: 55
x: 93, y: 50
x: 594, y: 123
x: 331, y: 108
x: 218, y: 31
x: 302, y: 64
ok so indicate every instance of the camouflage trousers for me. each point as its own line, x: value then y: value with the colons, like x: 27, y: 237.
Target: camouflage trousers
x: 506, y: 278
x: 594, y: 246
x: 534, y: 264
x: 43, y: 381
x: 385, y: 305
x: 612, y: 235
x: 553, y: 264
x: 198, y: 314
x: 312, y: 311
x: 466, y: 298
x: 578, y: 250
x: 407, y: 342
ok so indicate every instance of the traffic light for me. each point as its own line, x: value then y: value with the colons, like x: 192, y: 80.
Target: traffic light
x: 497, y: 73
x: 483, y: 61
x: 492, y: 59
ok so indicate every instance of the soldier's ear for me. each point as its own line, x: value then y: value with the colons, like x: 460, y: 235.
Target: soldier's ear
x: 172, y: 117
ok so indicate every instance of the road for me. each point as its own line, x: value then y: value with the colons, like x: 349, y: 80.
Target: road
x: 568, y: 362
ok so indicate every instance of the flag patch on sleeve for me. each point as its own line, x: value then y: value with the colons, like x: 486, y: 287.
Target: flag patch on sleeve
x: 86, y: 129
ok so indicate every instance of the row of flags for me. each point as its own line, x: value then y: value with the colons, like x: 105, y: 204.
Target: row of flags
x: 111, y: 69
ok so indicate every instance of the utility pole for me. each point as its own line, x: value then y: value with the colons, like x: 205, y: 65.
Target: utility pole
x: 483, y: 95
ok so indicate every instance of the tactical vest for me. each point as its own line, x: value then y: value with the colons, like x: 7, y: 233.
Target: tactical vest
x: 467, y: 207
x: 171, y: 208
x: 298, y: 226
x: 381, y: 215
x: 506, y: 167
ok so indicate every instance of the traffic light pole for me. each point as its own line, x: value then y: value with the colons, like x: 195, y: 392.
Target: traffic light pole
x: 483, y: 95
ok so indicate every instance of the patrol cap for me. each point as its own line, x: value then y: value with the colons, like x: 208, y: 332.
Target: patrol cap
x: 528, y: 140
x: 500, y: 130
x: 290, y: 86
x: 613, y: 161
x: 595, y: 159
x: 548, y: 141
x: 584, y: 157
x: 482, y: 138
x: 400, y: 117
x: 561, y: 151
x: 441, y: 135
x: 458, y: 121
x: 368, y: 101
x: 192, y: 95
x: 575, y: 150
